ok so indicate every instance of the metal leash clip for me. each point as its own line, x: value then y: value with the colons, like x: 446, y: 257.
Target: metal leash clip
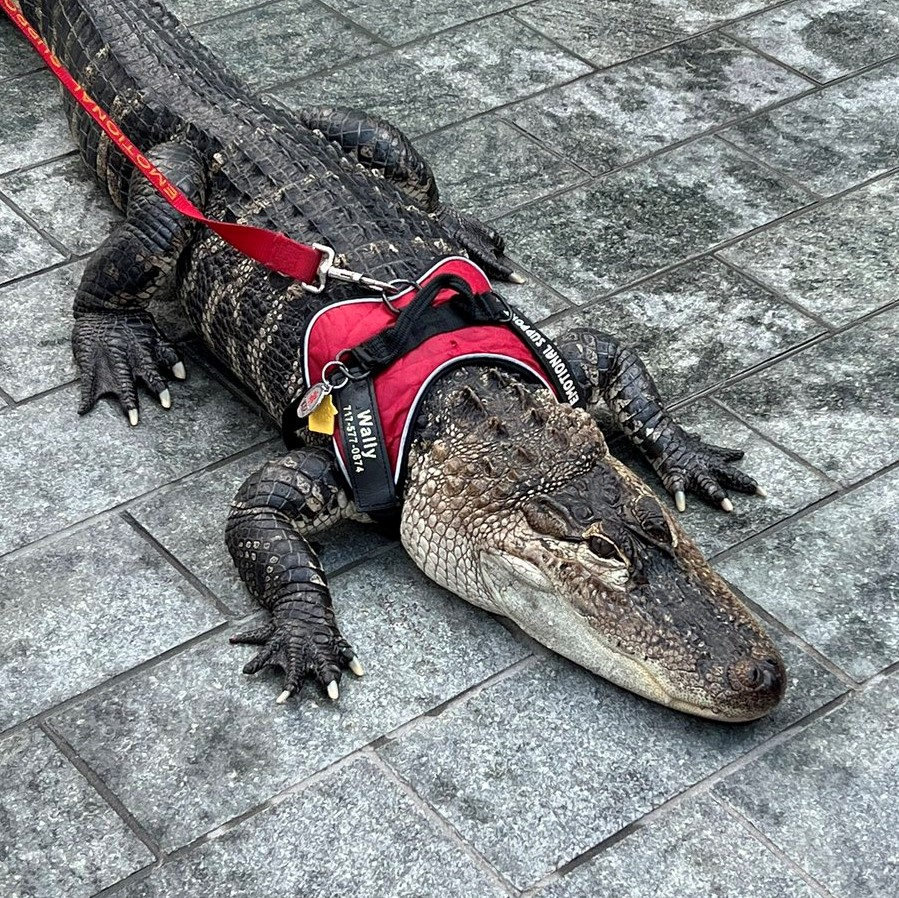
x: 326, y: 269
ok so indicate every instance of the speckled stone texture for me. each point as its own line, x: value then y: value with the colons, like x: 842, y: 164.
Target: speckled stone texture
x: 673, y: 857
x: 59, y: 836
x: 697, y: 326
x: 603, y: 758
x: 113, y: 606
x: 826, y: 38
x: 828, y: 797
x: 620, y: 29
x: 841, y: 595
x: 487, y: 167
x: 593, y: 239
x: 638, y: 108
x: 285, y: 41
x: 795, y: 401
x: 834, y: 139
x: 658, y: 168
x: 355, y: 833
x: 838, y: 261
x: 446, y: 79
x: 36, y: 342
x: 102, y: 461
x: 207, y: 743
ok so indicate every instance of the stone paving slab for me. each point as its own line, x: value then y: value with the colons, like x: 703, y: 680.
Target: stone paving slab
x: 33, y: 127
x: 83, y: 609
x: 36, y: 342
x: 838, y: 261
x: 556, y: 760
x: 640, y: 107
x: 825, y: 38
x: 445, y: 79
x: 197, y: 539
x: 59, y: 836
x: 828, y: 797
x: 61, y: 474
x: 833, y: 139
x: 833, y: 577
x: 487, y: 167
x: 355, y: 833
x: 18, y: 58
x: 617, y: 30
x: 206, y: 743
x: 675, y: 857
x: 795, y: 401
x: 697, y: 326
x: 71, y: 208
x: 22, y: 249
x: 285, y: 41
x: 593, y: 239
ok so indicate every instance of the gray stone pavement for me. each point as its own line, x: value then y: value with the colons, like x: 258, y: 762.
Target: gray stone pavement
x: 714, y: 181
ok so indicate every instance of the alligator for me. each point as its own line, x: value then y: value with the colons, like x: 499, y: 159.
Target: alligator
x: 511, y: 498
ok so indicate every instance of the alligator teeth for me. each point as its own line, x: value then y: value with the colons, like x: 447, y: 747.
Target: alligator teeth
x: 727, y: 505
x: 282, y: 698
x: 356, y: 667
x: 333, y: 691
x: 132, y: 417
x: 165, y: 399
x: 680, y: 500
x: 179, y: 370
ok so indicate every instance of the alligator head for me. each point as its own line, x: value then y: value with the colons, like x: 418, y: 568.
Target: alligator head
x: 515, y: 503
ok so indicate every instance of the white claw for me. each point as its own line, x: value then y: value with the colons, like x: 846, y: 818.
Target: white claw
x: 680, y: 500
x: 282, y: 698
x: 727, y: 505
x: 165, y: 399
x: 132, y: 417
x: 760, y: 492
x: 516, y: 278
x: 179, y: 371
x: 356, y: 667
x: 333, y: 691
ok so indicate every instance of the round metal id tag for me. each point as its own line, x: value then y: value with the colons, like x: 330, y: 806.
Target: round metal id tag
x: 312, y: 399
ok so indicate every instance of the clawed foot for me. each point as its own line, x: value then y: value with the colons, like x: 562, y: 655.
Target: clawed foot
x: 698, y: 467
x: 115, y: 351
x: 484, y: 245
x: 321, y: 653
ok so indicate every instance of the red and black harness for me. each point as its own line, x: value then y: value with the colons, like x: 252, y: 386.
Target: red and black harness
x: 376, y: 358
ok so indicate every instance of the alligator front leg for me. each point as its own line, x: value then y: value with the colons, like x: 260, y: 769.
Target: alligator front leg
x: 380, y: 146
x: 270, y: 516
x: 116, y: 341
x: 614, y: 374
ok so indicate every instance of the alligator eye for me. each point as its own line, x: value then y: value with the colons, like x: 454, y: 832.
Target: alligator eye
x: 602, y: 547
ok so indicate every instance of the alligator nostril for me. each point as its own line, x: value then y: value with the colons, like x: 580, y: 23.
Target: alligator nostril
x: 766, y: 675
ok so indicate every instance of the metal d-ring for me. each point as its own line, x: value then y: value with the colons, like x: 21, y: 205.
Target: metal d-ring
x: 345, y: 369
x: 399, y: 284
x: 506, y: 308
x: 341, y: 369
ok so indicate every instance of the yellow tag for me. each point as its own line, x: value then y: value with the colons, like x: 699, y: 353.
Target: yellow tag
x: 321, y: 420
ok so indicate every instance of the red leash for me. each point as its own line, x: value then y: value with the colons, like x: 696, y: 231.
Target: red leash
x: 308, y: 264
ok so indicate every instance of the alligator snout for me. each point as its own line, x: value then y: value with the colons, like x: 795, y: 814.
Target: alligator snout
x: 763, y: 679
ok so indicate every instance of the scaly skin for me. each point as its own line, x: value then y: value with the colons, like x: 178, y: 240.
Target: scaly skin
x: 511, y: 500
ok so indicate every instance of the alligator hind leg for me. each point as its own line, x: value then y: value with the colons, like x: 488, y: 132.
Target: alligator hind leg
x: 115, y: 340
x: 382, y: 147
x: 615, y: 375
x: 270, y: 517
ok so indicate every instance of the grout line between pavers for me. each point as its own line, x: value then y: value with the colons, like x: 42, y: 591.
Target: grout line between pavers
x: 31, y: 166
x: 114, y: 802
x: 121, y: 677
x: 170, y: 558
x: 742, y: 42
x: 817, y: 887
x: 767, y: 166
x: 701, y: 787
x: 46, y: 236
x: 444, y: 826
x: 759, y: 281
